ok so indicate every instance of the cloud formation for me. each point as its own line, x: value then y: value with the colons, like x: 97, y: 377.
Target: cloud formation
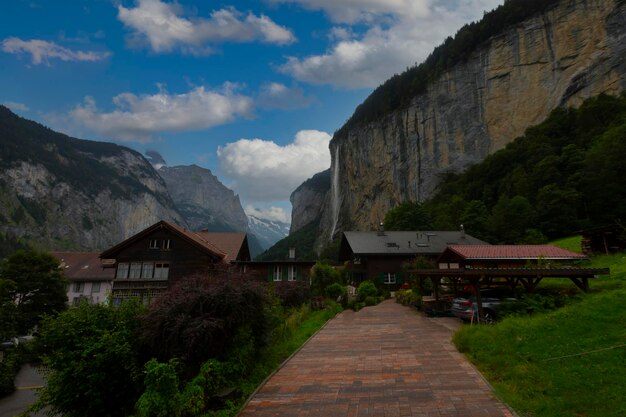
x: 164, y: 28
x: 279, y: 96
x: 399, y: 34
x: 272, y: 213
x: 42, y: 52
x: 16, y: 106
x: 138, y: 118
x: 265, y: 171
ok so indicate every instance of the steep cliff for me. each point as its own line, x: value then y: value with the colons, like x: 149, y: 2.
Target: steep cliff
x: 308, y: 200
x: 58, y: 192
x: 203, y: 200
x: 559, y: 57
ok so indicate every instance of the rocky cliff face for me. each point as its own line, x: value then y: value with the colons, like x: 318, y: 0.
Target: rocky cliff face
x: 203, y: 200
x: 57, y: 192
x: 309, y: 199
x: 574, y: 51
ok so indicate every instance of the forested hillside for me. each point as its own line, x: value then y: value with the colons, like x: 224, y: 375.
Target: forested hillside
x: 563, y: 175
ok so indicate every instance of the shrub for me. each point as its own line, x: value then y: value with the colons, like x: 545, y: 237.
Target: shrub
x: 408, y: 297
x: 198, y: 318
x: 335, y: 291
x: 294, y: 293
x: 371, y: 301
x: 366, y: 289
x: 322, y: 276
x: 9, y: 368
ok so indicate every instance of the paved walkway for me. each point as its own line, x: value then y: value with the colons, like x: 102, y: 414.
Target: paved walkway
x: 383, y: 361
x: 27, y: 382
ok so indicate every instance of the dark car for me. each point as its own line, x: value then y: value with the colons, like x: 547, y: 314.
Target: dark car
x: 465, y: 307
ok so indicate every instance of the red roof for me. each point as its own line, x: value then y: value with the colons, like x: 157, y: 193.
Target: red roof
x: 85, y: 266
x: 228, y: 243
x: 513, y: 252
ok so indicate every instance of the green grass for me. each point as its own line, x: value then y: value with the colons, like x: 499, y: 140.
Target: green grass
x: 527, y: 359
x: 570, y: 243
x: 297, y: 329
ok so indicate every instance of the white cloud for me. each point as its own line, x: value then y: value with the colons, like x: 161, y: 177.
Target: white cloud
x: 265, y: 171
x: 272, y: 213
x: 352, y: 11
x: 279, y: 96
x: 43, y: 51
x: 16, y: 106
x: 164, y: 28
x: 399, y: 34
x: 137, y: 118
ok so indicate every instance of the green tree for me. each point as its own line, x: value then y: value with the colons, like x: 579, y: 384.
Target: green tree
x: 475, y: 219
x: 407, y: 216
x: 162, y: 396
x: 92, y: 355
x: 33, y: 281
x: 8, y: 310
x: 511, y: 217
x: 323, y: 275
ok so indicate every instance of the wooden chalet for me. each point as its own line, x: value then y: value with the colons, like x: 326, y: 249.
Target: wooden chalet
x: 147, y: 263
x: 90, y: 277
x: 487, y: 265
x: 382, y: 256
x: 279, y: 270
x: 607, y: 239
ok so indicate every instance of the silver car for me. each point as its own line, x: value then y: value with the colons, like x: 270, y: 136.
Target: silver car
x: 465, y: 307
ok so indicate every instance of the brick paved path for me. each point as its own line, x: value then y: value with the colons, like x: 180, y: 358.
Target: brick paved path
x: 383, y: 361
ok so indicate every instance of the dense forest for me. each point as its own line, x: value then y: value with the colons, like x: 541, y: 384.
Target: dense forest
x: 563, y: 175
x: 397, y: 92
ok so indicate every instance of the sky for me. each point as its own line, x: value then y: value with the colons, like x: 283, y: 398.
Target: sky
x: 250, y: 89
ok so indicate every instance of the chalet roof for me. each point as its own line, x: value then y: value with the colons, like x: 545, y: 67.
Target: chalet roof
x: 229, y: 243
x: 529, y: 252
x: 192, y: 237
x: 405, y: 243
x: 85, y: 266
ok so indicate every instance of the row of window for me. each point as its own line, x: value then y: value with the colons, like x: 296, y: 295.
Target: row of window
x: 389, y: 278
x: 292, y: 273
x: 79, y: 287
x: 163, y: 244
x: 142, y: 270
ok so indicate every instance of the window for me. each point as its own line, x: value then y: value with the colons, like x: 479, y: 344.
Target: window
x: 122, y: 270
x: 443, y: 265
x: 454, y: 266
x: 161, y: 271
x: 277, y: 273
x: 357, y: 260
x: 165, y: 244
x: 147, y: 270
x: 79, y: 287
x: 95, y: 287
x: 135, y: 270
x: 390, y: 278
x: 292, y: 273
x: 154, y: 244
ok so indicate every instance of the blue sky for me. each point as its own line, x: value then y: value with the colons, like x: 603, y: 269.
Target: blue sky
x: 252, y: 90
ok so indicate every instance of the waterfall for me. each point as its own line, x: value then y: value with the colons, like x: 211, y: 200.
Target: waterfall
x: 335, y: 194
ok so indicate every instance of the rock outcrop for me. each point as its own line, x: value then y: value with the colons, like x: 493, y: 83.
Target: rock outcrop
x: 61, y: 193
x: 309, y: 199
x: 203, y: 200
x: 573, y: 51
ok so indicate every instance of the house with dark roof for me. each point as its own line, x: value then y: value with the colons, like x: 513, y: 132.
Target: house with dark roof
x: 147, y: 263
x: 90, y: 277
x: 381, y: 256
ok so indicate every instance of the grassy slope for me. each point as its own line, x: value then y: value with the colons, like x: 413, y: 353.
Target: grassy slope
x: 517, y: 355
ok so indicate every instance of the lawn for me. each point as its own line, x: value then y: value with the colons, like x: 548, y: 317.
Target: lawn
x: 568, y: 362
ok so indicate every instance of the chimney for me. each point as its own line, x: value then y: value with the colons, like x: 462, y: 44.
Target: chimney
x: 462, y: 232
x: 292, y: 253
x: 381, y: 229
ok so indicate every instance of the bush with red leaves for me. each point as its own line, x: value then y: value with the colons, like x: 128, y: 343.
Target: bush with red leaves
x: 199, y: 317
x: 293, y: 293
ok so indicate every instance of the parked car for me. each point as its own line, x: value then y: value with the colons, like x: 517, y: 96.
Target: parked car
x: 465, y: 307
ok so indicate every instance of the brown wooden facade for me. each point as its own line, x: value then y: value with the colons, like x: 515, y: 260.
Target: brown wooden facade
x: 151, y: 261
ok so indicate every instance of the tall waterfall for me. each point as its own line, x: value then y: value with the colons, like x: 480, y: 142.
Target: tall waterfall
x: 335, y: 192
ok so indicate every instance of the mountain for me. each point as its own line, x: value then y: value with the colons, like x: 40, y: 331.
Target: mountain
x: 202, y: 199
x: 62, y: 193
x: 266, y: 231
x: 308, y: 200
x: 471, y: 97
